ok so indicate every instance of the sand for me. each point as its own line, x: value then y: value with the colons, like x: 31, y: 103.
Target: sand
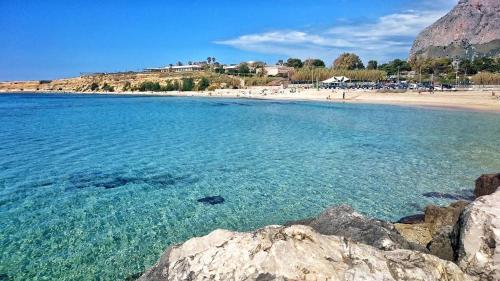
x: 466, y: 100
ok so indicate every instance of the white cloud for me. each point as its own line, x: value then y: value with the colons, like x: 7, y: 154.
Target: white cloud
x: 383, y: 39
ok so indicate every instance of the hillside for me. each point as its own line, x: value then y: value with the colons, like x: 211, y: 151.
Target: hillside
x: 470, y: 29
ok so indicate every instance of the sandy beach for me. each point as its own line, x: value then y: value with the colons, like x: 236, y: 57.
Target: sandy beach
x: 476, y: 100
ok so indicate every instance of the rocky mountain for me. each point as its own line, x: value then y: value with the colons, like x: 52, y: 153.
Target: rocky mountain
x: 471, y: 29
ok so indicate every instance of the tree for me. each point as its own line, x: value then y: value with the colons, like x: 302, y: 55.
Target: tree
x: 394, y: 66
x: 94, y: 86
x: 295, y: 63
x: 203, y: 84
x: 213, y: 59
x: 373, y: 64
x: 314, y: 63
x: 486, y: 64
x: 280, y: 62
x: 107, y: 88
x: 243, y: 68
x: 149, y: 86
x: 209, y: 60
x: 187, y: 84
x: 179, y: 63
x: 348, y: 61
x: 190, y: 62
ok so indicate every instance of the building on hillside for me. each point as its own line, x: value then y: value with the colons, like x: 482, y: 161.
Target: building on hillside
x: 277, y: 70
x: 235, y: 67
x: 176, y: 68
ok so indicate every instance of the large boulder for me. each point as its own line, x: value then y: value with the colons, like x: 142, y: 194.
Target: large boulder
x: 346, y: 222
x: 477, y: 247
x: 487, y: 184
x: 293, y: 253
x: 437, y: 217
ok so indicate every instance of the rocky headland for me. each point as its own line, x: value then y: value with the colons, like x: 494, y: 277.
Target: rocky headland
x: 458, y: 242
x: 471, y: 29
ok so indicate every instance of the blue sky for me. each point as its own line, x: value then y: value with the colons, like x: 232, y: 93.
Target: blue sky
x: 51, y: 39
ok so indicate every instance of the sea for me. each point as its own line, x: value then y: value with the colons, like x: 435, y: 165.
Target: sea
x: 96, y: 187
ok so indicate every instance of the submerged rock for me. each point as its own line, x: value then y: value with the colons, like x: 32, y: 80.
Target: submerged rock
x: 477, y: 247
x: 345, y: 221
x: 487, y: 184
x: 440, y: 195
x: 413, y: 219
x: 212, y: 200
x: 293, y: 253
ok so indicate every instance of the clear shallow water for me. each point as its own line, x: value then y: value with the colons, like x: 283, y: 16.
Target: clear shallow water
x: 97, y: 187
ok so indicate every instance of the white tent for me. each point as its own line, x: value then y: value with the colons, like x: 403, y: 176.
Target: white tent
x: 336, y: 79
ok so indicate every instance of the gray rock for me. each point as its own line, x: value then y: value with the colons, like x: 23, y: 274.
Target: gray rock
x: 487, y: 184
x: 437, y: 217
x: 294, y: 253
x: 345, y: 221
x: 441, y: 244
x: 478, y: 236
x: 471, y: 29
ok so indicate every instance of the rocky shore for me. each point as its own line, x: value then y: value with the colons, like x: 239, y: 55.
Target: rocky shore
x: 457, y: 242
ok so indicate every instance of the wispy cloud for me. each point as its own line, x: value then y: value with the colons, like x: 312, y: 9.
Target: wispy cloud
x: 387, y: 37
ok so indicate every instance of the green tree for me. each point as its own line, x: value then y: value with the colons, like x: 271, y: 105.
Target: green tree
x: 373, y: 64
x: 295, y: 63
x: 392, y: 67
x: 243, y: 68
x: 187, y: 84
x: 314, y: 63
x: 94, y: 86
x: 203, y: 84
x: 107, y: 88
x: 348, y: 61
x: 149, y: 86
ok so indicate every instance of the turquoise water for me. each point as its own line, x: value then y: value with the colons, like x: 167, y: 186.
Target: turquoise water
x: 97, y: 187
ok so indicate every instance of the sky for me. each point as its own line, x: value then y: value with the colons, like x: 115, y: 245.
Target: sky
x: 55, y: 39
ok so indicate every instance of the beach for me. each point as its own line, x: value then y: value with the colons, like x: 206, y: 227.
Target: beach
x: 476, y: 100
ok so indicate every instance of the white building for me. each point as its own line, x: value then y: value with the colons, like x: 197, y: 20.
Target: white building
x: 276, y: 70
x: 176, y: 68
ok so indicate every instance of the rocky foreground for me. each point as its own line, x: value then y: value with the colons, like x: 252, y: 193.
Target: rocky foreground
x: 458, y: 242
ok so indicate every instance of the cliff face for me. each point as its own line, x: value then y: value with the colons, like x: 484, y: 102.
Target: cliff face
x: 471, y: 29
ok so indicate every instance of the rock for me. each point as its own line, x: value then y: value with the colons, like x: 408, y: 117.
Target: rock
x: 487, y: 184
x: 471, y: 29
x: 441, y: 195
x: 478, y: 230
x: 212, y: 200
x: 413, y: 219
x: 345, y: 221
x: 441, y: 244
x: 417, y: 233
x: 293, y: 253
x: 437, y: 217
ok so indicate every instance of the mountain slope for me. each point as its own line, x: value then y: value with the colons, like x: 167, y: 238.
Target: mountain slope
x: 471, y: 29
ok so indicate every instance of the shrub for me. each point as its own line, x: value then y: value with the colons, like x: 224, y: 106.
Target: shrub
x: 203, y: 84
x: 149, y: 86
x: 107, y: 88
x: 187, y: 84
x: 94, y: 86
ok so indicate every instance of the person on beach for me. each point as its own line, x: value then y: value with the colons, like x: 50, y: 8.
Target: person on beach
x: 343, y: 95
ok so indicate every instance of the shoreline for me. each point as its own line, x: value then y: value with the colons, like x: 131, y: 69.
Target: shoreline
x: 476, y: 101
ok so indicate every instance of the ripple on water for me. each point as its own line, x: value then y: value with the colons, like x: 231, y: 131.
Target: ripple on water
x: 97, y: 187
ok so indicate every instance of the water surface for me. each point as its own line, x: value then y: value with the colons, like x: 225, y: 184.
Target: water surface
x: 95, y: 187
